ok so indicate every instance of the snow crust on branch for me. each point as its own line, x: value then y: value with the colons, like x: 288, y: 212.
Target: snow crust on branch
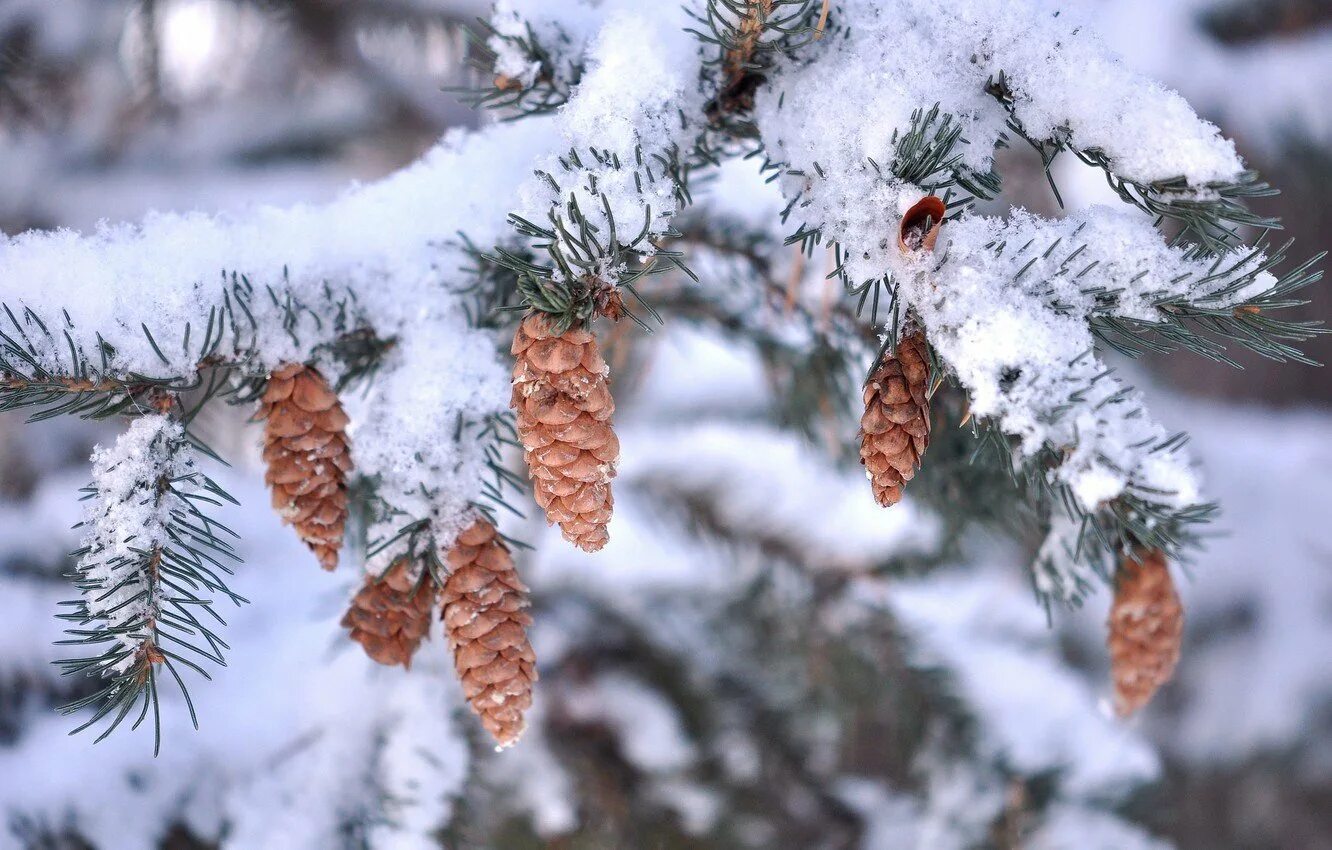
x: 419, y: 428
x: 568, y: 25
x: 621, y: 134
x: 384, y: 258
x: 390, y: 245
x: 844, y: 102
x: 1009, y: 305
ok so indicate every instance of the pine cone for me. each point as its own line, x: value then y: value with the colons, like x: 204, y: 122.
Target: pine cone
x: 483, y: 604
x: 895, y: 429
x: 308, y: 457
x: 1146, y: 626
x: 390, y: 616
x: 563, y: 403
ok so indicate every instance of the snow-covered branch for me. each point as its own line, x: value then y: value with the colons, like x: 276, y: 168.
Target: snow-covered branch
x: 150, y: 563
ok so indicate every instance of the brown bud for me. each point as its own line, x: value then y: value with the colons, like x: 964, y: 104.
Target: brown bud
x: 920, y: 226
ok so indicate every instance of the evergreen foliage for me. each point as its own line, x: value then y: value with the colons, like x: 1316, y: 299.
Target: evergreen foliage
x: 612, y: 121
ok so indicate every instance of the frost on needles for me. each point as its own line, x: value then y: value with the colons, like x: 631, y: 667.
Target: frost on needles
x: 857, y: 110
x: 151, y: 564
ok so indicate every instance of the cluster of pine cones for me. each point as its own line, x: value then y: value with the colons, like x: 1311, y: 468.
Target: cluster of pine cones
x: 563, y: 410
x: 1146, y: 619
x: 481, y: 601
x: 483, y: 604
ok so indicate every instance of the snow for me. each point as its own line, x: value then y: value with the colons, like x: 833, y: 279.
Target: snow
x: 405, y: 427
x: 389, y: 250
x: 129, y: 517
x: 745, y: 472
x: 1253, y: 679
x: 1007, y: 303
x: 646, y: 725
x: 1013, y: 322
x: 288, y: 751
x: 1068, y: 827
x: 561, y: 27
x: 391, y: 243
x: 842, y: 107
x: 612, y: 162
x: 540, y: 787
x: 304, y: 737
x: 1283, y: 98
x: 890, y: 817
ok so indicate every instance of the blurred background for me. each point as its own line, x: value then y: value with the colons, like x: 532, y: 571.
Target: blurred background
x: 761, y: 657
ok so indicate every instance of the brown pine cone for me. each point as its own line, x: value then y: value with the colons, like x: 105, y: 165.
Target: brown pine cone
x: 1145, y: 629
x: 563, y: 404
x: 483, y: 604
x: 390, y: 615
x: 308, y: 457
x: 895, y: 428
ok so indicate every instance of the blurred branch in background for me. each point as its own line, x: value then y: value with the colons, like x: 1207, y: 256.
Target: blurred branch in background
x: 108, y: 109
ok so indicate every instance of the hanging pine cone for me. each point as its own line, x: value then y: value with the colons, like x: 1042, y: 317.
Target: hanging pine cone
x: 563, y: 404
x: 308, y: 458
x: 483, y: 605
x: 1145, y: 629
x: 390, y: 615
x: 895, y: 428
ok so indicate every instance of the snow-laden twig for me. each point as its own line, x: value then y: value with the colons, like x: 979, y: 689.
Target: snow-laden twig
x: 150, y: 565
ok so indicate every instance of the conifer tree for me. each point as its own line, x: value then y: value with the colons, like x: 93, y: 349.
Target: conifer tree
x: 427, y: 351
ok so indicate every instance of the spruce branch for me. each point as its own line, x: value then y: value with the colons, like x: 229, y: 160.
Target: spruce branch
x: 152, y: 562
x: 747, y: 36
x: 551, y: 71
x: 1231, y: 314
x: 1211, y: 215
x: 588, y: 254
x: 54, y: 375
x: 927, y: 159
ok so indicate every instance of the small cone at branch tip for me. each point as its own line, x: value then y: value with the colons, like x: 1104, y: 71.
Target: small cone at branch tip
x: 390, y: 615
x: 307, y: 456
x: 563, y: 407
x: 483, y: 604
x: 1145, y: 629
x: 920, y: 225
x: 895, y: 428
